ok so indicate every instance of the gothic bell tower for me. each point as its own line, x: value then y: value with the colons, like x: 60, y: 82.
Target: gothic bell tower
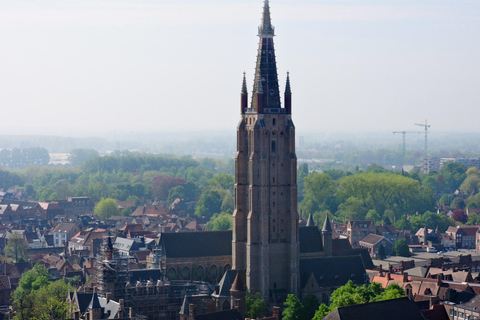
x: 265, y: 223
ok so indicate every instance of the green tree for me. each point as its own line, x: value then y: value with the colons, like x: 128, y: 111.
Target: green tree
x: 255, y: 307
x: 310, y: 304
x: 78, y: 156
x: 401, y: 248
x: 16, y: 248
x: 322, y: 312
x: 223, y: 181
x: 346, y: 295
x: 106, y: 208
x: 318, y: 193
x: 294, y: 309
x: 454, y: 173
x: 393, y: 291
x: 222, y: 221
x: 302, y: 172
x: 208, y: 204
x: 38, y: 298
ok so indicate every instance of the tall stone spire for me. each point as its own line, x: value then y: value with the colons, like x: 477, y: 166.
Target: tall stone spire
x: 266, y: 28
x: 266, y: 67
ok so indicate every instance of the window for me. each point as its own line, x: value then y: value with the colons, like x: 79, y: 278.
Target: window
x: 273, y: 147
x: 274, y: 121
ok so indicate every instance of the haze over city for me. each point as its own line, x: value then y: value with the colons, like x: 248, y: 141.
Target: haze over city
x: 83, y: 67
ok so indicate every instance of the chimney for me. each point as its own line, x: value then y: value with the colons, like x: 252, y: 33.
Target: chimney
x: 380, y: 270
x: 433, y: 301
x: 389, y: 276
x: 405, y: 277
x: 76, y: 315
x: 390, y: 268
x: 439, y: 279
x: 108, y: 296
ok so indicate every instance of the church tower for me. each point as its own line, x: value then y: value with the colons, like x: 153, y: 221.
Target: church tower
x: 265, y: 224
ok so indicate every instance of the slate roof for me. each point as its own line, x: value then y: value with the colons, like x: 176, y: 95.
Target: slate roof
x: 196, y: 244
x: 230, y: 314
x: 373, y: 239
x: 83, y: 300
x: 333, y: 271
x: 310, y: 239
x: 65, y: 227
x: 94, y: 303
x: 394, y: 309
x: 340, y: 244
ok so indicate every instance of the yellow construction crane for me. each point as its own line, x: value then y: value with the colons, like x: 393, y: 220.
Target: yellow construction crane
x: 403, y: 146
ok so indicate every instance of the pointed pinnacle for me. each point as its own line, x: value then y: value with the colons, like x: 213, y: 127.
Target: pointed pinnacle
x: 266, y: 27
x: 327, y: 226
x: 287, y: 86
x: 310, y: 222
x: 244, y: 85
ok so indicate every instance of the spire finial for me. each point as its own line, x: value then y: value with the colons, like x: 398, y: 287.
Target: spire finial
x: 287, y: 86
x: 244, y: 84
x: 266, y: 27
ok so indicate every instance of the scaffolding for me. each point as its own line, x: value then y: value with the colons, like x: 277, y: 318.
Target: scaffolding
x: 149, y: 299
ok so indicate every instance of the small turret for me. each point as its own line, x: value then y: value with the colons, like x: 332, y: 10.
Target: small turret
x: 310, y: 222
x: 244, y: 96
x: 288, y: 96
x: 237, y: 294
x: 327, y: 237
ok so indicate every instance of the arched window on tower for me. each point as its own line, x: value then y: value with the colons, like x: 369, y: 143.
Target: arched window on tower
x: 273, y: 148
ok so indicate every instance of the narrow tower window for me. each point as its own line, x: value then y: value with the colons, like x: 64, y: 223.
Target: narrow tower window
x: 274, y: 121
x: 273, y: 148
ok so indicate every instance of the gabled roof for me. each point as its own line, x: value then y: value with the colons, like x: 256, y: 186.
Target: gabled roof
x: 65, y: 227
x: 94, y: 303
x: 310, y: 239
x: 394, y: 309
x: 373, y: 239
x: 196, y: 244
x: 333, y: 271
x: 230, y: 314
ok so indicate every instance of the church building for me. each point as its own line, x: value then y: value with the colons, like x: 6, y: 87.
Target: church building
x: 278, y: 258
x: 265, y: 224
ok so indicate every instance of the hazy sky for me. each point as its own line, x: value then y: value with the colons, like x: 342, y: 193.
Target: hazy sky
x: 87, y: 66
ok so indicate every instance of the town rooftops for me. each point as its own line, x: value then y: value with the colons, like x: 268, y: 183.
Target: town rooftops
x: 65, y: 227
